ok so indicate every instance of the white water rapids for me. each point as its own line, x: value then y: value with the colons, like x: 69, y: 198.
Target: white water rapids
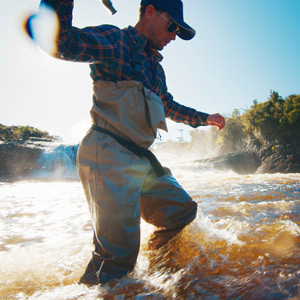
x: 244, y: 243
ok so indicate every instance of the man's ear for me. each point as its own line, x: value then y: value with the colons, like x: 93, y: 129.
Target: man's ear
x: 150, y: 12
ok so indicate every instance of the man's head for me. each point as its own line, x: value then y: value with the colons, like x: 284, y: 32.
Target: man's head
x: 174, y: 10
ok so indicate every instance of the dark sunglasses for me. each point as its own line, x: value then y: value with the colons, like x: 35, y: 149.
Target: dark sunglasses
x: 172, y: 27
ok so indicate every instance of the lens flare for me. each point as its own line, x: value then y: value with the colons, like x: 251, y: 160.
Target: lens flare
x: 43, y: 28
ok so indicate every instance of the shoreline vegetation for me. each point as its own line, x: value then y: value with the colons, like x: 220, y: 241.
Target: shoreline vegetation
x: 274, y: 123
x: 262, y: 139
x: 21, y: 134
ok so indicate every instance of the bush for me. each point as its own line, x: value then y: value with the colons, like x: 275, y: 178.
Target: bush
x: 275, y: 122
x: 21, y: 133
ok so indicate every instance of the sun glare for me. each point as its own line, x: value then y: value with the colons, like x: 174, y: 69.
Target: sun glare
x: 43, y: 28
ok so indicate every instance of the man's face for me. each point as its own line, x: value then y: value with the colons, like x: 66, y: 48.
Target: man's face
x: 159, y: 34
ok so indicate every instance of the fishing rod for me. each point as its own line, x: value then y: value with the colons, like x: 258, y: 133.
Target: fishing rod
x: 109, y: 6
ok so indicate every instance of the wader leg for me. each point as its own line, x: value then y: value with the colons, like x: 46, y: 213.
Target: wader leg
x: 165, y: 204
x: 112, y: 178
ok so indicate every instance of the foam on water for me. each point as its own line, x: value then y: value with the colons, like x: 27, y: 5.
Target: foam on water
x: 57, y: 161
x: 244, y: 243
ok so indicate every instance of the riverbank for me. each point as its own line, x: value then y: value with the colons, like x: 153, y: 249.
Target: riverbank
x: 266, y: 160
x: 20, y: 160
x: 26, y: 150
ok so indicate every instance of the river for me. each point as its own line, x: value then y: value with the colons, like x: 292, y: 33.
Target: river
x: 244, y: 243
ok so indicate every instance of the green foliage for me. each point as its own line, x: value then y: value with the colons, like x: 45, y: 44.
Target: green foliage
x: 275, y: 122
x: 232, y: 137
x: 21, y: 133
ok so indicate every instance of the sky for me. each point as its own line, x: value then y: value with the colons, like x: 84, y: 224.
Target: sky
x: 241, y: 52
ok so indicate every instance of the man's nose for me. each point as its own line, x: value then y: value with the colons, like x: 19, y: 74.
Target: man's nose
x: 173, y: 35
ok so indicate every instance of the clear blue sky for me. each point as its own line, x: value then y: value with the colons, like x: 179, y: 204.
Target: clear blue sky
x: 242, y: 50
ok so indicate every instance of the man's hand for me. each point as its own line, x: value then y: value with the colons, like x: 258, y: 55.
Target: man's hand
x: 216, y: 120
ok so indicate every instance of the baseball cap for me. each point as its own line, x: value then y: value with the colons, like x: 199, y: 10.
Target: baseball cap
x: 174, y: 8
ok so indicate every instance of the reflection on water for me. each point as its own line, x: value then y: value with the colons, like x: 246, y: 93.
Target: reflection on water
x: 244, y: 243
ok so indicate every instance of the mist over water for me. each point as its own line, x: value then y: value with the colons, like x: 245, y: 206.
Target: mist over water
x: 244, y: 243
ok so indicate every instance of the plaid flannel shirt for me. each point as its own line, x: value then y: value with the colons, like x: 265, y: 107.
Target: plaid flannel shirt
x: 107, y: 50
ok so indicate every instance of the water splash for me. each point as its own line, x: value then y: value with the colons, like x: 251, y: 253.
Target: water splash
x: 58, y: 162
x: 244, y: 243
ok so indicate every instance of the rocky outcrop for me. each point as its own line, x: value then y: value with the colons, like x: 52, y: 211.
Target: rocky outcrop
x: 20, y: 149
x: 271, y: 159
x: 240, y: 162
x: 18, y: 160
x: 280, y: 159
x: 42, y: 158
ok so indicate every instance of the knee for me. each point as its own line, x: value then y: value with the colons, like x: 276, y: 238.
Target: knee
x: 191, y: 212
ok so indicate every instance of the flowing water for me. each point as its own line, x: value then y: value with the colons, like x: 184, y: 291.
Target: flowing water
x: 244, y: 243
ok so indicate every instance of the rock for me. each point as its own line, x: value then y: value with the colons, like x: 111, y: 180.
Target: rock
x: 17, y: 160
x: 280, y: 159
x: 241, y: 162
x: 271, y: 159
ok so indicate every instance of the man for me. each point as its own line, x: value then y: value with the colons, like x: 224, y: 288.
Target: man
x: 122, y: 180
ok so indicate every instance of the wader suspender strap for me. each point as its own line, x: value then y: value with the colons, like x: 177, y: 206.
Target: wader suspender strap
x: 137, y: 150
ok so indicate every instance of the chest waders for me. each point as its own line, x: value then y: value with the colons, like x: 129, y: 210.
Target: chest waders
x: 123, y: 181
